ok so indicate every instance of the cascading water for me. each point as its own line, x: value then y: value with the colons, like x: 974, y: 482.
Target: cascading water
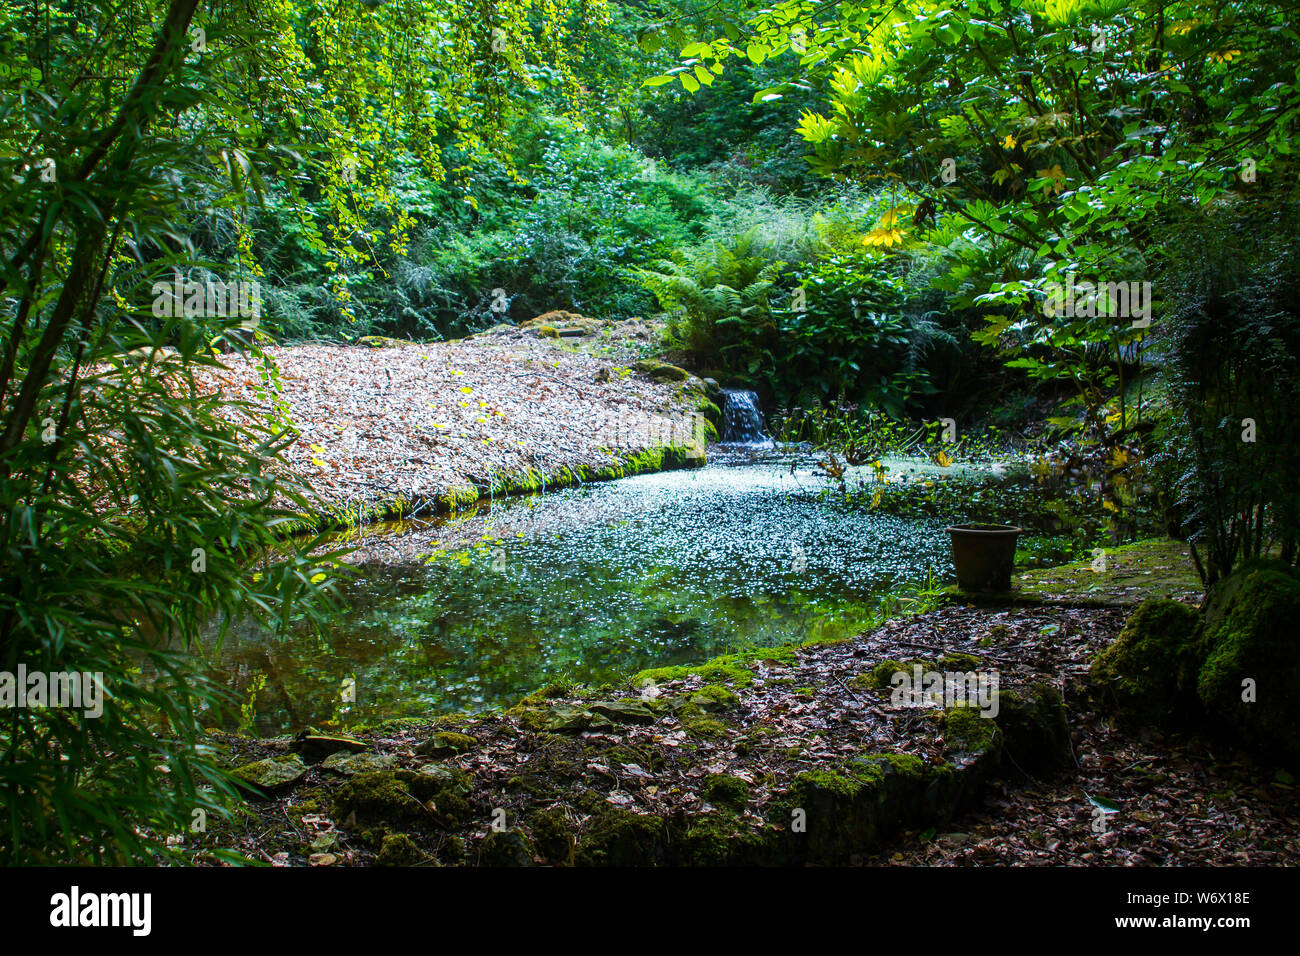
x: 742, y: 422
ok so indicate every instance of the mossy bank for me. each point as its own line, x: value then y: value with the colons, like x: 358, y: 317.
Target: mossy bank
x: 776, y: 757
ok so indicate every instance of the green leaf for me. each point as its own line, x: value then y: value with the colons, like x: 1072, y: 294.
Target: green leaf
x: 1106, y: 805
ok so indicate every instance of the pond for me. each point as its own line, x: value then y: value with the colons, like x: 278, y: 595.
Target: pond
x: 588, y: 585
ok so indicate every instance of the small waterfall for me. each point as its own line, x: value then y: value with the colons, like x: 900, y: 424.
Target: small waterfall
x: 742, y: 422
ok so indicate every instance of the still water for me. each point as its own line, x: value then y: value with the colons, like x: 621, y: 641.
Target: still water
x: 587, y: 584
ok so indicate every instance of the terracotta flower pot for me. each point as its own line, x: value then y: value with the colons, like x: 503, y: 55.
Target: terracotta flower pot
x: 984, y: 555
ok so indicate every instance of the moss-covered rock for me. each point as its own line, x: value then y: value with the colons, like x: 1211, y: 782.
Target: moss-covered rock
x: 505, y: 848
x: 848, y: 809
x: 271, y: 773
x: 402, y: 795
x: 1252, y: 642
x: 398, y: 849
x: 727, y: 790
x: 350, y: 764
x: 628, y: 710
x: 658, y: 371
x: 552, y: 835
x: 616, y: 837
x: 647, y: 758
x: 1149, y: 674
x: 446, y: 744
x: 709, y: 699
x: 1035, y: 729
x: 315, y: 747
x: 960, y: 662
x: 721, y: 838
x: 571, y: 320
x: 881, y: 677
x: 969, y: 730
x: 729, y: 669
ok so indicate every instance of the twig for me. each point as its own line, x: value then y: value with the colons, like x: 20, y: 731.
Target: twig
x: 555, y: 378
x: 948, y: 650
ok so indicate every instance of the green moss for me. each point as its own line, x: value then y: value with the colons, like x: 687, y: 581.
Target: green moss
x: 552, y: 835
x: 398, y: 849
x: 730, y: 669
x: 396, y: 725
x: 458, y: 498
x: 505, y: 848
x: 960, y: 662
x: 882, y: 675
x: 1148, y: 675
x: 658, y: 371
x: 403, y: 795
x: 452, y: 851
x: 616, y: 837
x: 647, y: 758
x: 721, y: 839
x: 725, y: 789
x: 717, y: 670
x: 826, y: 782
x: 445, y: 743
x: 708, y: 699
x: 706, y: 727
x: 1134, y: 572
x: 907, y: 764
x: 1255, y: 640
x: 964, y: 729
x: 549, y: 692
x: 531, y: 784
x: 532, y: 719
x: 1035, y: 729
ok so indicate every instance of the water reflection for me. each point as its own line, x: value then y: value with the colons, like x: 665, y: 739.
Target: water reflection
x: 585, y: 584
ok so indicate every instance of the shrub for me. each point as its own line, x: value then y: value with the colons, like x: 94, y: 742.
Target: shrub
x: 833, y: 328
x: 1233, y: 367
